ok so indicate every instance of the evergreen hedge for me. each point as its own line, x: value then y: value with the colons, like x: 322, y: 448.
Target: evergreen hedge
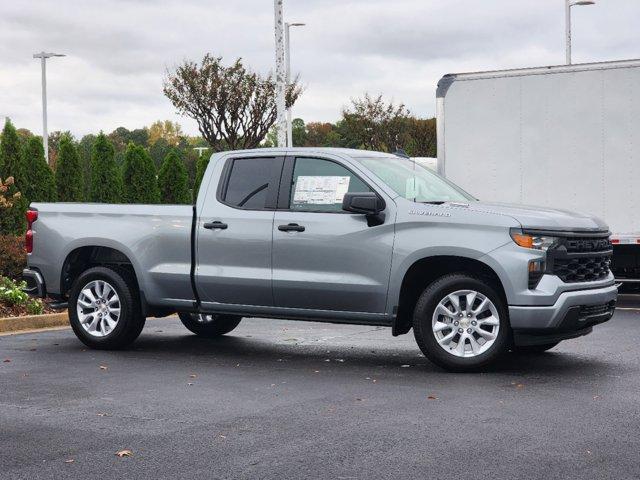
x: 173, y: 180
x: 12, y: 220
x: 201, y: 167
x: 106, y: 180
x: 69, y: 172
x: 39, y: 184
x: 139, y: 176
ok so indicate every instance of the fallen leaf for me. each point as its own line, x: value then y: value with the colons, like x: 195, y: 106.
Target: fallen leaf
x: 124, y: 453
x: 6, y: 360
x: 432, y: 397
x: 103, y: 367
x: 520, y: 385
x: 374, y: 380
x: 33, y: 349
x: 71, y: 460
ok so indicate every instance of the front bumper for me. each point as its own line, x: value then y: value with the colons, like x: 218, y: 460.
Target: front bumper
x: 573, y: 314
x: 35, y: 283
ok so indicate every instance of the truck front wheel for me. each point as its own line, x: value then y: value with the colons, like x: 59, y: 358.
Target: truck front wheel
x: 208, y: 325
x: 104, y: 308
x: 461, y: 323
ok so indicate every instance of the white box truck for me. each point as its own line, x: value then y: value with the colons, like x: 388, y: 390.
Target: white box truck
x: 552, y: 136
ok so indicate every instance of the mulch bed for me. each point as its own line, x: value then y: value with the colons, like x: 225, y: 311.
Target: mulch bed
x: 21, y: 311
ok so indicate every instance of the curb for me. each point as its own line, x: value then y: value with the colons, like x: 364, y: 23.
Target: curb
x: 32, y: 322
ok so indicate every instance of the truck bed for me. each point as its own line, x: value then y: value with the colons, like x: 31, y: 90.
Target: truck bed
x: 160, y: 235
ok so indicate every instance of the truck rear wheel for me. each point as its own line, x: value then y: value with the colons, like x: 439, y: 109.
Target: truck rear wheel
x: 461, y: 323
x: 104, y: 308
x: 208, y: 325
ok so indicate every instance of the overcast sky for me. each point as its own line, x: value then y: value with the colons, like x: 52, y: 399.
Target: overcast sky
x: 118, y: 50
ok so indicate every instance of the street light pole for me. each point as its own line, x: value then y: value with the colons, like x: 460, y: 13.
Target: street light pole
x: 43, y: 62
x: 281, y: 116
x: 568, y: 5
x: 288, y: 76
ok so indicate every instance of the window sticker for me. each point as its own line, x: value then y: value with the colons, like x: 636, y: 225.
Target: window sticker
x: 320, y: 190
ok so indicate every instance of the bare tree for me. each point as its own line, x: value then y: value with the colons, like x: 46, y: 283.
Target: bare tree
x: 234, y: 107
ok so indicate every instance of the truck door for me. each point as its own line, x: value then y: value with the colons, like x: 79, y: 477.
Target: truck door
x: 233, y: 254
x: 323, y: 257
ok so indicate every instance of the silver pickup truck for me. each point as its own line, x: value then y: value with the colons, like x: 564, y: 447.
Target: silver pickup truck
x: 330, y: 235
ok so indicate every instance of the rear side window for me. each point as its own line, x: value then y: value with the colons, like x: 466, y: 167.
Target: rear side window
x: 248, y: 182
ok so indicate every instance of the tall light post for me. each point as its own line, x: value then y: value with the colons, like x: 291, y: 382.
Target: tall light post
x: 287, y: 47
x: 281, y: 114
x: 43, y: 61
x: 568, y: 5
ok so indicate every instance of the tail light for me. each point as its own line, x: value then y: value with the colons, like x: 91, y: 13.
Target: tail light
x: 32, y: 216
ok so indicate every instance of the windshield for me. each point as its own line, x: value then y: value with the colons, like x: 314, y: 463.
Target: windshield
x: 414, y: 182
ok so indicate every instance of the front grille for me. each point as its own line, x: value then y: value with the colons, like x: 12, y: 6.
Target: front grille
x: 580, y: 259
x: 582, y: 269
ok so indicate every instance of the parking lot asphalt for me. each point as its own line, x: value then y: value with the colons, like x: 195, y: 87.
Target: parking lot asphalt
x: 279, y: 399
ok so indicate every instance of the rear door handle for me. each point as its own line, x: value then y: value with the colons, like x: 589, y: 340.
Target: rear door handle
x: 215, y: 225
x: 291, y: 227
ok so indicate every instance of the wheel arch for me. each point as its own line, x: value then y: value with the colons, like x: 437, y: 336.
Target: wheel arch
x: 424, y: 271
x: 82, y: 257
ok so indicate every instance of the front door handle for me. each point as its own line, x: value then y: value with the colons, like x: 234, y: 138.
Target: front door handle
x: 215, y: 225
x: 292, y: 227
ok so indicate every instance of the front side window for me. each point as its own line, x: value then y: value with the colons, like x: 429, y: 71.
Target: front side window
x: 319, y: 185
x: 248, y: 182
x: 414, y: 182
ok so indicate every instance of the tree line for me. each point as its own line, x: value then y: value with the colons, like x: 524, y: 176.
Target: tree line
x: 102, y: 171
x: 234, y: 108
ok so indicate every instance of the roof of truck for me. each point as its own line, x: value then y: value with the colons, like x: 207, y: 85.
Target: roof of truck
x: 351, y: 152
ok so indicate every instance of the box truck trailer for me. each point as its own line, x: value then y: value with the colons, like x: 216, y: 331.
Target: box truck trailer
x: 551, y: 136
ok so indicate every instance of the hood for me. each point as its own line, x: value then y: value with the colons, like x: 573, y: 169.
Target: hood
x: 541, y: 217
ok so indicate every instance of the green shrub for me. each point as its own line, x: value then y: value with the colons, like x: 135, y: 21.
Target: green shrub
x: 11, y: 292
x: 201, y: 167
x: 69, y: 172
x: 12, y: 220
x: 173, y: 180
x: 140, y: 184
x: 12, y: 295
x: 39, y: 183
x: 13, y: 258
x: 106, y: 181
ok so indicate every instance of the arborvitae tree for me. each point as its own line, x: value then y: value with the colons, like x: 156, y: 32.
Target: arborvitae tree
x: 106, y: 180
x: 69, y: 175
x: 201, y: 167
x: 139, y: 176
x: 173, y: 180
x: 84, y: 149
x: 39, y: 184
x: 12, y: 220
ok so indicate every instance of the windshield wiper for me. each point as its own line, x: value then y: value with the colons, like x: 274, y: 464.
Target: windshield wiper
x: 435, y: 202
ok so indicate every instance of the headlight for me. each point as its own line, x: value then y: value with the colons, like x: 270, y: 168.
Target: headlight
x: 536, y: 242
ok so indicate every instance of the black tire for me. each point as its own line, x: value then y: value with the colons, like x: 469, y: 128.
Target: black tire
x: 216, y: 326
x: 130, y: 322
x: 533, y: 348
x: 426, y: 339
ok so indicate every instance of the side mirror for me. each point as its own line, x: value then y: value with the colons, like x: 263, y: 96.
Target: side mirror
x: 367, y: 203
